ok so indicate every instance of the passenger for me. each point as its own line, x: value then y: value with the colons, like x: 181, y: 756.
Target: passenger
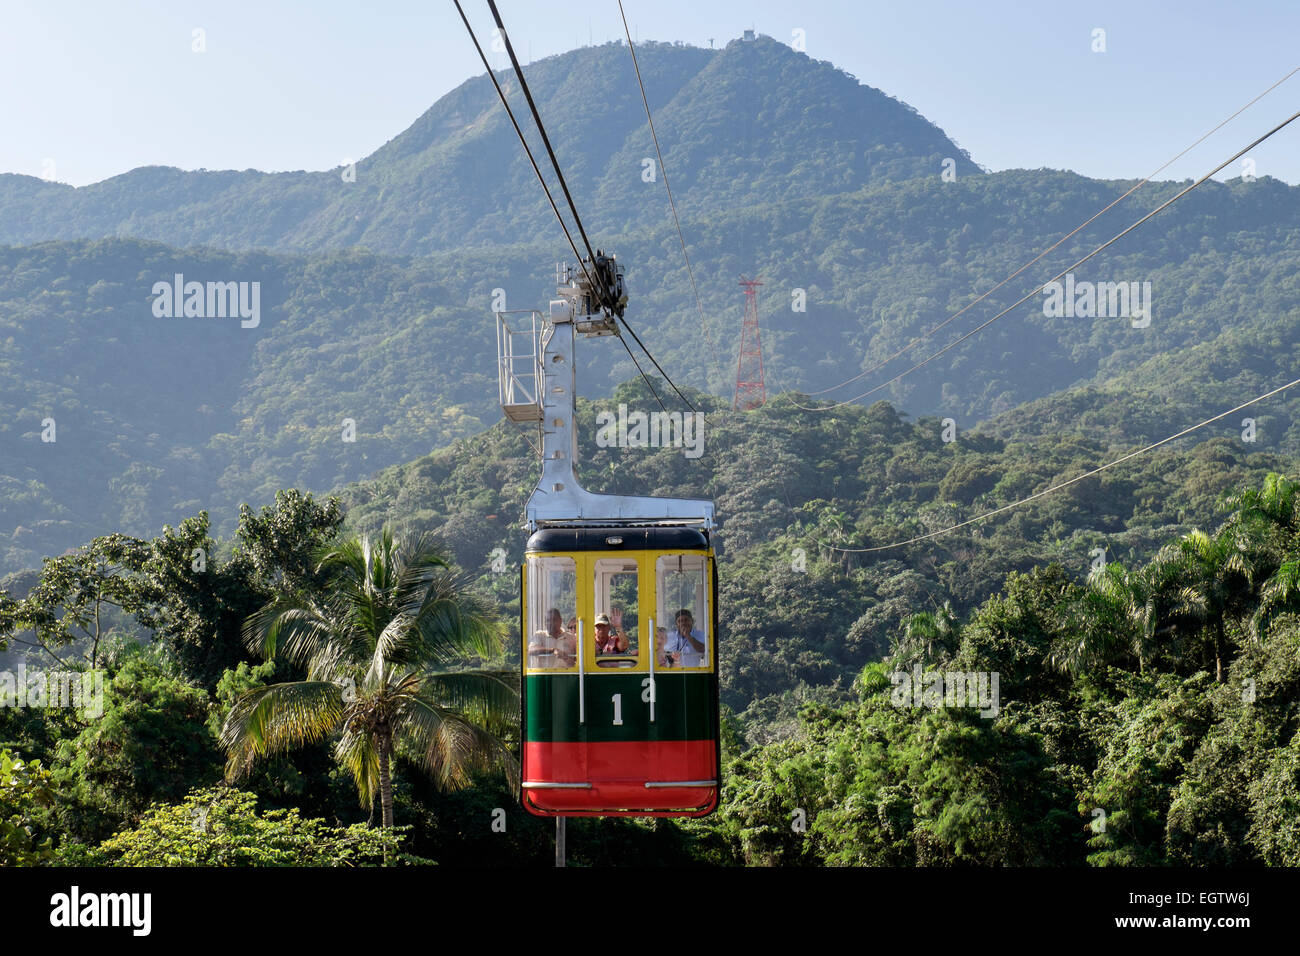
x: 661, y: 646
x: 686, y: 646
x: 555, y: 646
x: 610, y: 639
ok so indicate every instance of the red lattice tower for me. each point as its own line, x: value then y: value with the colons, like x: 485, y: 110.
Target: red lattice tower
x: 750, y: 391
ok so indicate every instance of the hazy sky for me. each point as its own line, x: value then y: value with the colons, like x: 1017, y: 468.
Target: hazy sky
x: 93, y: 88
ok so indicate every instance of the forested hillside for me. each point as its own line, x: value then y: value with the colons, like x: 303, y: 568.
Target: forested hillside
x: 163, y: 414
x: 792, y: 486
x: 1147, y: 671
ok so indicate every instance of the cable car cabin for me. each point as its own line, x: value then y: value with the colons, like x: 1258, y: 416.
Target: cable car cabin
x: 620, y: 702
x: 619, y: 623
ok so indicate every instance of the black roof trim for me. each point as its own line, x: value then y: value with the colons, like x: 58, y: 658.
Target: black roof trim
x: 634, y: 539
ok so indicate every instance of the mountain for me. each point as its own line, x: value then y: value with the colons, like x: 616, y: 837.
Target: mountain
x: 740, y: 125
x: 361, y: 360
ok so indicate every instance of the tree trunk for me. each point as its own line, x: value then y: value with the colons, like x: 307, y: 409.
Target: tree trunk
x: 1218, y: 652
x: 385, y: 787
x: 94, y: 648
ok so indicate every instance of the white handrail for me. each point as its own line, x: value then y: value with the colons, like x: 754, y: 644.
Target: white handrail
x: 516, y: 387
x: 654, y: 651
x: 582, y: 678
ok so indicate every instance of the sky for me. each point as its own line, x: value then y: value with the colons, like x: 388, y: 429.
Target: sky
x: 93, y: 89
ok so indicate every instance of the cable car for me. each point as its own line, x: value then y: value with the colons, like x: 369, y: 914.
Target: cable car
x: 618, y: 601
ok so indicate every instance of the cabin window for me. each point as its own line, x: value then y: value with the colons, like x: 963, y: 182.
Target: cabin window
x: 551, y: 639
x: 617, y: 598
x: 683, y: 621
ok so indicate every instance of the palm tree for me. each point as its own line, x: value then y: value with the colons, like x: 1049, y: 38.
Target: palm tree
x: 1216, y: 578
x: 389, y: 653
x: 1279, y: 591
x: 1122, y: 613
x: 1273, y: 507
x: 1267, y: 521
x: 929, y: 635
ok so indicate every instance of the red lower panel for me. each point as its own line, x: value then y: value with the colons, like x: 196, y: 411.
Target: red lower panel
x: 618, y: 772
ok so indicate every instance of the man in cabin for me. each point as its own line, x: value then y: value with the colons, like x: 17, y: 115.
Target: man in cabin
x: 685, y: 647
x: 553, y: 647
x: 610, y: 639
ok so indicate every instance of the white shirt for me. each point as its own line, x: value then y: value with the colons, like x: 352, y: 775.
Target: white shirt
x: 690, y: 656
x: 543, y: 641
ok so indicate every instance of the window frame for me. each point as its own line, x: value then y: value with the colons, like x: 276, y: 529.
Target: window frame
x: 701, y: 608
x: 532, y: 595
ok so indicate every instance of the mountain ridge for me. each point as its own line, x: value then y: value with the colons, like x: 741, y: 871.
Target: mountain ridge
x: 457, y: 176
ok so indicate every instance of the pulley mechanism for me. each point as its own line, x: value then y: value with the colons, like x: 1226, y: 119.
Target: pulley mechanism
x: 597, y: 291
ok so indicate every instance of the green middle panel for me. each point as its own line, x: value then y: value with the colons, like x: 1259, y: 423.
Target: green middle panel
x: 683, y: 708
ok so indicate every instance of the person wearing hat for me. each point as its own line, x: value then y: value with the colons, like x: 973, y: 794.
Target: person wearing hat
x: 610, y: 638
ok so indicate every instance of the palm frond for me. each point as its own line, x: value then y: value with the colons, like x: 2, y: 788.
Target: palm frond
x: 490, y: 698
x: 447, y: 745
x: 1281, y: 589
x: 356, y: 751
x: 276, y: 718
x: 455, y: 625
x: 394, y: 644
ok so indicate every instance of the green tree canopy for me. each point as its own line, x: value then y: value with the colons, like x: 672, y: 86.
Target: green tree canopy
x: 389, y: 648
